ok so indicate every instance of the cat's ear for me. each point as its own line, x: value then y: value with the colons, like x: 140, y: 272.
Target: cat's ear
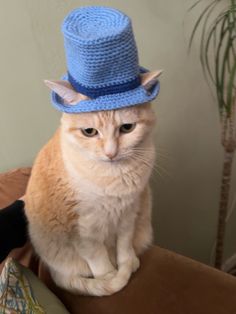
x: 150, y: 78
x: 65, y: 91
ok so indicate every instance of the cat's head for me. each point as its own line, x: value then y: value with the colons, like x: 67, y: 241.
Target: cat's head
x: 107, y: 136
x: 110, y: 135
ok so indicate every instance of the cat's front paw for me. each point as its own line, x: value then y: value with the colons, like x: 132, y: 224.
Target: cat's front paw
x: 132, y: 261
x: 110, y: 275
x: 135, y: 263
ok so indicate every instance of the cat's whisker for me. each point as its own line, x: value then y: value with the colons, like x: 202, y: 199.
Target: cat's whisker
x: 140, y: 155
x: 156, y: 167
x: 143, y: 149
x: 157, y: 153
x: 162, y: 169
x: 147, y: 164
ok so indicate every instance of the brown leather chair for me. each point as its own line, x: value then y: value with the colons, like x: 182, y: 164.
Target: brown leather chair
x: 166, y: 282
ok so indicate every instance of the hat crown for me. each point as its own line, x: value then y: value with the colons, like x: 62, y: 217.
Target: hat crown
x: 101, y: 52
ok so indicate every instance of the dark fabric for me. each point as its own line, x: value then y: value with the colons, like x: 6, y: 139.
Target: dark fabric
x: 13, y: 228
x: 12, y: 186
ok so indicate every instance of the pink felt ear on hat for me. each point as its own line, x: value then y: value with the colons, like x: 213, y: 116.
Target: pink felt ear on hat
x: 149, y: 79
x: 65, y: 91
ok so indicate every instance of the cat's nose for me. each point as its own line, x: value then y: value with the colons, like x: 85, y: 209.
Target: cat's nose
x: 111, y: 155
x: 110, y: 148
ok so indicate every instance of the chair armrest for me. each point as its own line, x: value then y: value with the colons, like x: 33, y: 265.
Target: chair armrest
x: 166, y: 283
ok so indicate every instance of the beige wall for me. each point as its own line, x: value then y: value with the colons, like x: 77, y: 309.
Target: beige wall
x: 186, y: 200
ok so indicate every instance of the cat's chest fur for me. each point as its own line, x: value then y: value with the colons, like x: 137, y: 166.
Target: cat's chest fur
x: 102, y: 215
x: 101, y: 208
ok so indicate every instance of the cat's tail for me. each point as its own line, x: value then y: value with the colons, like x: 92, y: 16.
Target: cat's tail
x: 97, y: 286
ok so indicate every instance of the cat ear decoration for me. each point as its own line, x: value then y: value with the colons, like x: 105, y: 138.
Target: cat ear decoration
x: 150, y: 78
x: 65, y: 91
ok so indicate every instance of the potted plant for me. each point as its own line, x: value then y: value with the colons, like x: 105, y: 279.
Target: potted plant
x: 217, y: 28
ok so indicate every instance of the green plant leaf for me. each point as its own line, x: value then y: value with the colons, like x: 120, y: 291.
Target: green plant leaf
x: 212, y: 32
x: 231, y: 89
x: 199, y: 21
x: 194, y: 5
x: 218, y: 50
x: 204, y: 31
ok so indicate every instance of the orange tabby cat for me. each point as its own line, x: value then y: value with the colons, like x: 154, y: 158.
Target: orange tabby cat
x: 88, y: 200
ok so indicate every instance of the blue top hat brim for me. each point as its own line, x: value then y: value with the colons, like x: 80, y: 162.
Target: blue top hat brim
x: 138, y: 95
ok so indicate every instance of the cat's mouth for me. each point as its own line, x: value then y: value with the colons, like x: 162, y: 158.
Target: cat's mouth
x: 117, y: 159
x: 111, y: 160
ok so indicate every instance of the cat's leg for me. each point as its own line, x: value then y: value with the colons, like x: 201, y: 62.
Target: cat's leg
x: 110, y: 244
x: 96, y: 255
x: 66, y: 273
x: 125, y: 251
x: 67, y: 262
x: 143, y: 233
x: 112, y: 255
x: 57, y: 252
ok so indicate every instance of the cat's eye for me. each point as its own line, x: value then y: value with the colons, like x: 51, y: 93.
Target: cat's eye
x: 127, y: 127
x: 89, y: 132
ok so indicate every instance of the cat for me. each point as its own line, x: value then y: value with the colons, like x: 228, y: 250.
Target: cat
x: 88, y: 200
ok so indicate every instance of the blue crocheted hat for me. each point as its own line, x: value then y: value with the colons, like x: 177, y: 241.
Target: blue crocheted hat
x: 102, y: 61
